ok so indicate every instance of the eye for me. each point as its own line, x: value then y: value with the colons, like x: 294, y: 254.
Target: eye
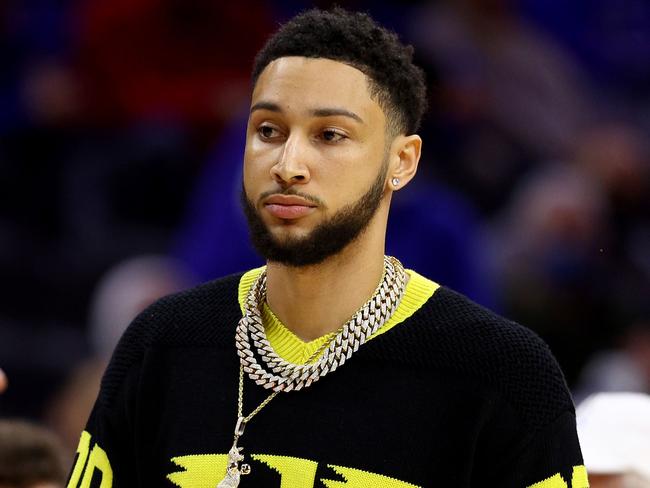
x: 331, y: 135
x: 268, y: 132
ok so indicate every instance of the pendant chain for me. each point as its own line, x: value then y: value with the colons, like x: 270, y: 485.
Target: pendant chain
x: 240, y: 400
x: 240, y: 396
x: 286, y: 376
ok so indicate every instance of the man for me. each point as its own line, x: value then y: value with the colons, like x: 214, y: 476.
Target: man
x: 3, y: 381
x: 614, y: 429
x: 30, y: 456
x: 332, y: 366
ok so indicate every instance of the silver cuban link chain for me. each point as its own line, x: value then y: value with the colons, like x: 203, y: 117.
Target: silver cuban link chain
x: 277, y: 374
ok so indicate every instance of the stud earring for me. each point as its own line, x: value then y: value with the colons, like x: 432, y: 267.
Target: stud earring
x: 395, y: 181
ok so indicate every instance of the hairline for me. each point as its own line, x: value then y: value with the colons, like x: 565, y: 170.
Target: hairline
x: 375, y: 89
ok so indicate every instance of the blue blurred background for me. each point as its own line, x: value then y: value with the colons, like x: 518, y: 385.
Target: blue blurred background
x: 121, y: 139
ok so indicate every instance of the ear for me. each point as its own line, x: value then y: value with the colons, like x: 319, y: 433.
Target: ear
x: 405, y: 152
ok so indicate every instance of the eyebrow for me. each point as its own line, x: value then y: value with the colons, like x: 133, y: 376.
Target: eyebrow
x: 317, y: 112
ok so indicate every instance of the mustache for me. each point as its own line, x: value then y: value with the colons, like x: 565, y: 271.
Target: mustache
x: 292, y: 191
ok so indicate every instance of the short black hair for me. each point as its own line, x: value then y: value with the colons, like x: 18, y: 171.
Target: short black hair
x: 354, y: 38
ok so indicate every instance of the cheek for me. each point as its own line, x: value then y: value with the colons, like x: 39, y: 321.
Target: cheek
x: 252, y: 179
x: 257, y: 162
x: 358, y: 169
x: 255, y: 147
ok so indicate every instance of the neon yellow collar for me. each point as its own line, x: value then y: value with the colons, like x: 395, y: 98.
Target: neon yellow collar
x: 293, y: 349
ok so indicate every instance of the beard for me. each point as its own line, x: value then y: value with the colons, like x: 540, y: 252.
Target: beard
x: 327, y: 239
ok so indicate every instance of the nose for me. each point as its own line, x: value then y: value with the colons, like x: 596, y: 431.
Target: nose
x: 291, y: 167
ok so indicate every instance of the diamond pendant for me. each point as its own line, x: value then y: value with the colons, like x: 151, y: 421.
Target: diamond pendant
x: 234, y: 470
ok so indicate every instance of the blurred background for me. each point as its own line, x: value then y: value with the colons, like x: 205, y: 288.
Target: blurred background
x: 121, y: 139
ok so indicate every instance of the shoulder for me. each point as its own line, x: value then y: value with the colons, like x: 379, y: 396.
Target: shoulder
x: 205, y: 315
x: 454, y: 335
x: 200, y: 314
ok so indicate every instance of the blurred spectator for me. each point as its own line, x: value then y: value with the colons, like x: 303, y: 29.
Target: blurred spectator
x: 122, y: 293
x: 503, y: 69
x: 169, y: 59
x: 611, y: 40
x: 69, y: 408
x: 3, y: 381
x: 36, y: 360
x: 626, y: 368
x: 503, y: 97
x: 127, y: 289
x: 617, y: 155
x: 51, y: 94
x: 30, y: 457
x: 614, y: 433
x: 554, y: 278
x: 37, y: 83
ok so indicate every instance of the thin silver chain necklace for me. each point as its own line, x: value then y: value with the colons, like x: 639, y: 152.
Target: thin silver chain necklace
x: 279, y: 375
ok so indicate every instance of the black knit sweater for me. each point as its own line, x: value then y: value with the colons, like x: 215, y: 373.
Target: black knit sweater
x: 455, y: 396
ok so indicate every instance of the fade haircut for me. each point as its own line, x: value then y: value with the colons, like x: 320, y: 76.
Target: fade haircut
x: 355, y: 39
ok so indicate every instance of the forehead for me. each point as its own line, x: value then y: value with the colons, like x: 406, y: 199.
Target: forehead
x: 297, y: 82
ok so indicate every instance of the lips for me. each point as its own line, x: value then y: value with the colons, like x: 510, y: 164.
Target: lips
x: 288, y: 206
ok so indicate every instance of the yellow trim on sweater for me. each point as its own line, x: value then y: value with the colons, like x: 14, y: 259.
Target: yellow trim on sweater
x: 293, y: 349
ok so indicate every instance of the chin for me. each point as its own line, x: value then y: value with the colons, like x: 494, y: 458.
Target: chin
x: 302, y: 225
x: 288, y: 232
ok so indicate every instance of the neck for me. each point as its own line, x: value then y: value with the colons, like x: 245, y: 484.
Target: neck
x: 312, y: 301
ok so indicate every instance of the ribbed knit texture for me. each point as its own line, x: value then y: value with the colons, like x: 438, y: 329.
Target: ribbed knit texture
x: 450, y: 394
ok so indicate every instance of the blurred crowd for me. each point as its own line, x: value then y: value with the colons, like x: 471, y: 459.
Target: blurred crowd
x: 121, y: 141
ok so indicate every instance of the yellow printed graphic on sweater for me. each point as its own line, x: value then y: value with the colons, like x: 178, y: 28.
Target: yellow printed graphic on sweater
x: 98, y: 465
x: 199, y: 470
x: 357, y: 478
x: 207, y: 470
x: 578, y: 480
x: 294, y: 472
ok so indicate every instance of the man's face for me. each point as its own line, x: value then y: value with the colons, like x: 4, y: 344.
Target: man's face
x: 315, y: 161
